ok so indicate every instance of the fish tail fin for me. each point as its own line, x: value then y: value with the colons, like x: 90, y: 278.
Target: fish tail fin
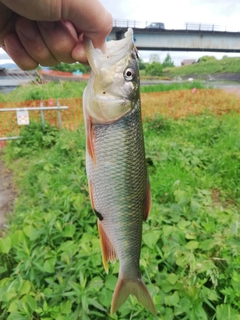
x: 125, y: 287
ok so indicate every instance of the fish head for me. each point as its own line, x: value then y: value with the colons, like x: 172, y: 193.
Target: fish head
x: 113, y: 87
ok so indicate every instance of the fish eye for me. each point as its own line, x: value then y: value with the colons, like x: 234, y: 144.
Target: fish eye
x: 129, y: 74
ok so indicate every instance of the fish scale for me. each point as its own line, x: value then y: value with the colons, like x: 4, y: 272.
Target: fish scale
x: 119, y: 182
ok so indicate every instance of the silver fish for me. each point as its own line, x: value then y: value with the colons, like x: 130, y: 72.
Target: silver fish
x: 115, y: 160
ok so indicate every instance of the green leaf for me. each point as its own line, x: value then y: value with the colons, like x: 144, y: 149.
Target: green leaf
x: 30, y: 232
x: 66, y: 307
x: 191, y: 245
x: 172, y: 300
x: 26, y: 287
x: 172, y: 278
x: 226, y: 312
x: 151, y: 238
x: 105, y: 297
x: 85, y: 303
x: 49, y: 265
x: 111, y: 282
x: 2, y: 269
x: 69, y: 230
x: 5, y: 244
x: 31, y: 302
x: 96, y: 304
x: 67, y: 245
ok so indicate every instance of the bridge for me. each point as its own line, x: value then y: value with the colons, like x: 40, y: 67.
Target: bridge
x: 193, y: 37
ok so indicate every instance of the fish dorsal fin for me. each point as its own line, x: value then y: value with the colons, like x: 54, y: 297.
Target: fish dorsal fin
x: 108, y: 252
x: 147, y: 201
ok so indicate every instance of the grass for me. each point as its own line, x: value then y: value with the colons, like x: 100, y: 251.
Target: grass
x: 55, y: 90
x: 174, y: 104
x: 226, y: 65
x: 51, y: 266
x: 65, y: 89
x: 173, y: 86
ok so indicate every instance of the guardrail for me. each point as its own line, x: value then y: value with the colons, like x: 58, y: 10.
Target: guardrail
x: 204, y: 27
x: 22, y: 117
x: 187, y: 26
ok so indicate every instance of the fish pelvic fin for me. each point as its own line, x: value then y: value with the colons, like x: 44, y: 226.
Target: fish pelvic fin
x: 108, y: 252
x: 125, y: 287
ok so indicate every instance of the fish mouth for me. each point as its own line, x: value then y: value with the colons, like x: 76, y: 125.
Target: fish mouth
x: 115, y: 50
x: 111, y: 98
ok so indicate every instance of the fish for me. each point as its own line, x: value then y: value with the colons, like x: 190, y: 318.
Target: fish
x: 116, y: 168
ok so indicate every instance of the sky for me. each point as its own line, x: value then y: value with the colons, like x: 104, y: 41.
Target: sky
x: 174, y: 14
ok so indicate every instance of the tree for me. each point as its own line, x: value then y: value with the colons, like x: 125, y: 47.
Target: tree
x: 168, y: 62
x: 154, y: 69
x: 66, y: 67
x: 141, y: 64
x: 207, y: 58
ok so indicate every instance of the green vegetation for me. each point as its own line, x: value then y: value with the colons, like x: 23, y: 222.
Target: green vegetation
x: 67, y: 89
x: 64, y: 89
x: 168, y: 62
x: 50, y: 255
x: 207, y: 66
x: 154, y: 69
x: 173, y: 86
x: 67, y: 67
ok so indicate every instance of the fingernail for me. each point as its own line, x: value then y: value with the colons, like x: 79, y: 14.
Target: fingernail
x: 78, y: 54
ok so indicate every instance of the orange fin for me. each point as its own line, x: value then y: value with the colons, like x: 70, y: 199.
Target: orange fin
x: 91, y: 194
x: 90, y: 139
x: 125, y: 287
x: 147, y: 201
x: 108, y: 252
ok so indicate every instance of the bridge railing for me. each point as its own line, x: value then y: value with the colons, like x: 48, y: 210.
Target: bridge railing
x: 187, y: 26
x: 204, y: 27
x: 129, y: 24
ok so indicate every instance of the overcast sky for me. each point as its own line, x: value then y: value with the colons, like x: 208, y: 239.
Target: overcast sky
x: 175, y: 14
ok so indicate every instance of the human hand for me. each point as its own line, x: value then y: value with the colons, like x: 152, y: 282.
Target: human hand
x: 48, y: 32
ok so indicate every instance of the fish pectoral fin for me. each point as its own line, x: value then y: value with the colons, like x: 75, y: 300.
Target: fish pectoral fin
x: 147, y: 201
x: 90, y: 138
x: 125, y: 287
x: 108, y: 252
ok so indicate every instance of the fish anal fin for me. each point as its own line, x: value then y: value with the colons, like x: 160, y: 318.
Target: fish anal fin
x: 125, y: 287
x: 147, y: 201
x: 108, y: 252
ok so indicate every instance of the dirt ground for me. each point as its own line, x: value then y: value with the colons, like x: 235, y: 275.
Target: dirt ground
x: 7, y: 192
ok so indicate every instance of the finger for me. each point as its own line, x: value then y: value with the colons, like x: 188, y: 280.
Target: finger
x: 90, y: 17
x: 79, y: 54
x: 58, y: 39
x: 49, y: 10
x: 32, y: 41
x: 16, y: 51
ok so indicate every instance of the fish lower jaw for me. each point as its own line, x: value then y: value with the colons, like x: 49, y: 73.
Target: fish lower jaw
x: 105, y: 111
